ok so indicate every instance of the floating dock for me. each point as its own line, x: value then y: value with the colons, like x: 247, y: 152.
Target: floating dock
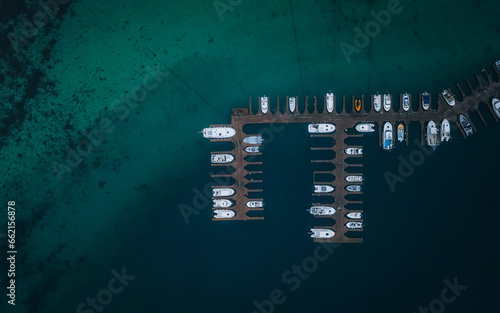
x: 343, y: 120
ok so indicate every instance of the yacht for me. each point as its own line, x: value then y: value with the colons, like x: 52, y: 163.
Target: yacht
x: 448, y: 96
x: 253, y: 140
x: 354, y: 178
x: 224, y: 213
x: 255, y: 204
x: 322, y: 128
x: 432, y: 135
x: 387, y: 136
x: 425, y: 101
x: 292, y: 104
x: 353, y: 188
x: 445, y: 130
x: 321, y: 210
x: 222, y: 192
x: 329, y: 102
x: 321, y: 233
x: 365, y: 128
x: 222, y: 203
x: 354, y: 225
x: 323, y: 188
x: 406, y: 101
x: 387, y: 102
x: 354, y: 215
x: 495, y: 103
x: 252, y: 149
x: 466, y: 125
x: 377, y: 102
x: 264, y: 104
x: 401, y: 133
x: 220, y: 158
x: 218, y: 132
x: 354, y: 151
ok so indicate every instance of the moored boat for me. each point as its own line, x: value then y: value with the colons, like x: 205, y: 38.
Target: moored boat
x: 387, y: 102
x: 445, y: 130
x: 401, y: 132
x: 321, y: 128
x: 292, y: 103
x: 252, y: 149
x: 264, y: 104
x: 497, y: 64
x: 357, y: 105
x: 354, y: 178
x: 255, y: 204
x: 406, y: 101
x: 354, y: 215
x: 253, y: 140
x: 365, y: 128
x: 387, y: 136
x: 354, y: 225
x: 221, y: 158
x: 329, y: 102
x: 432, y: 135
x: 222, y: 192
x: 353, y: 188
x: 495, y: 103
x: 466, y: 126
x: 321, y: 210
x: 377, y: 102
x: 222, y: 203
x: 222, y: 132
x: 321, y: 233
x: 224, y: 213
x: 448, y: 96
x: 425, y: 101
x: 354, y: 151
x: 323, y: 188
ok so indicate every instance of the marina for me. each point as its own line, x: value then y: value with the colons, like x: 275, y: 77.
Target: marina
x: 325, y: 121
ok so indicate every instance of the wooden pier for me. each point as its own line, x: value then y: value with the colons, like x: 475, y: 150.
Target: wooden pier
x: 343, y: 121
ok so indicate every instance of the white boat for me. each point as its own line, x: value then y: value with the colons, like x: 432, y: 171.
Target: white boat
x: 222, y: 132
x: 495, y: 103
x: 466, y: 125
x: 425, y: 101
x: 406, y: 101
x: 497, y: 64
x: 219, y: 158
x: 445, y: 130
x: 264, y: 104
x: 365, y: 128
x: 253, y: 140
x: 354, y: 215
x: 323, y: 188
x: 222, y: 203
x: 292, y: 104
x: 354, y: 178
x: 321, y: 128
x: 448, y: 96
x: 322, y: 233
x: 387, y: 102
x: 329, y: 102
x: 377, y: 102
x: 255, y: 204
x: 321, y: 210
x: 432, y: 135
x: 387, y: 136
x: 222, y: 192
x: 354, y: 225
x: 353, y: 188
x: 354, y: 151
x: 252, y: 149
x: 224, y: 213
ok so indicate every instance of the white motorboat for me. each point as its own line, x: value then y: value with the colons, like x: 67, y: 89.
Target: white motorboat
x: 387, y: 102
x: 377, y: 102
x: 264, y: 104
x: 448, y: 96
x: 354, y: 151
x: 353, y: 188
x: 321, y: 128
x: 222, y: 192
x: 354, y: 225
x: 445, y: 130
x: 354, y: 215
x: 220, y: 158
x: 329, y: 102
x: 354, y: 178
x: 406, y: 102
x: 365, y: 127
x: 255, y: 204
x: 323, y: 188
x: 321, y: 210
x: 466, y: 125
x: 387, y: 136
x: 222, y: 132
x: 253, y: 140
x: 432, y: 135
x: 252, y: 149
x: 292, y: 104
x: 495, y: 103
x: 224, y: 213
x: 222, y: 203
x: 321, y: 233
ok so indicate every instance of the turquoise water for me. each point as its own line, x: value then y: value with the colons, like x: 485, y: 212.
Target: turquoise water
x: 118, y: 207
